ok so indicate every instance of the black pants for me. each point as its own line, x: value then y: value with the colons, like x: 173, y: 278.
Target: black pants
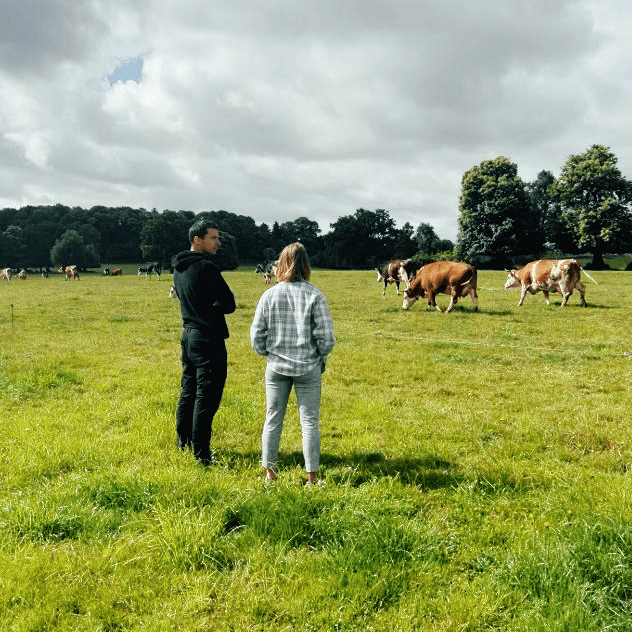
x: 204, y: 367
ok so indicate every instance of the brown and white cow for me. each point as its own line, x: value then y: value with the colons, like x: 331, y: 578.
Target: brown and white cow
x: 70, y: 272
x: 548, y: 275
x: 391, y: 273
x: 454, y: 278
x: 5, y: 274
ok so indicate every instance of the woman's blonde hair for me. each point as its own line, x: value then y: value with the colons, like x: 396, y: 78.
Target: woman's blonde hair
x: 293, y: 264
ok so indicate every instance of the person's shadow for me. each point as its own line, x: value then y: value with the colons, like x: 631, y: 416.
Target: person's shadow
x: 354, y: 470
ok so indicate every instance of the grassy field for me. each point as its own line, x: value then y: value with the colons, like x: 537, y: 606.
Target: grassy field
x: 477, y: 466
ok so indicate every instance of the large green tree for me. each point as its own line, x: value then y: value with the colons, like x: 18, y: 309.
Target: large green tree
x: 496, y: 218
x: 427, y: 239
x: 596, y: 198
x: 13, y: 247
x: 303, y: 230
x: 227, y: 255
x: 362, y: 240
x: 70, y: 249
x: 242, y: 228
x: 554, y: 231
x: 405, y: 245
x: 164, y: 234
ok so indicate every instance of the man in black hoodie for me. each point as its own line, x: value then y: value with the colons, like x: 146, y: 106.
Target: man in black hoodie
x: 204, y: 299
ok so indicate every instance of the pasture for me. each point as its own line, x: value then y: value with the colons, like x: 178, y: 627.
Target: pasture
x: 477, y: 466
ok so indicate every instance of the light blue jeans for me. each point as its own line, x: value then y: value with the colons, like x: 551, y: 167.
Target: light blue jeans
x: 307, y: 388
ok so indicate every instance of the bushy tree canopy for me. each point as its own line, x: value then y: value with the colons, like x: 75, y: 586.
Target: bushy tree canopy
x: 553, y: 230
x: 595, y: 198
x: 427, y: 239
x: 70, y: 249
x: 495, y: 212
x: 362, y: 240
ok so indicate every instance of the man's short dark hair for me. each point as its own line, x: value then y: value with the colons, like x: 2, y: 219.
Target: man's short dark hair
x: 200, y: 228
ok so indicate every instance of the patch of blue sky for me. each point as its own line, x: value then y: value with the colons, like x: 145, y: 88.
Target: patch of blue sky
x: 128, y: 70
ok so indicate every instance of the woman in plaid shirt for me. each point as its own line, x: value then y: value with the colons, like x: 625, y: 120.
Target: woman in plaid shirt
x: 293, y: 329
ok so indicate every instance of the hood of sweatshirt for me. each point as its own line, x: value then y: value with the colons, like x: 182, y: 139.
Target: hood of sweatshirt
x: 184, y: 260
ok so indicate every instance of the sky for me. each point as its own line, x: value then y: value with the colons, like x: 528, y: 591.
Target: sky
x: 279, y: 109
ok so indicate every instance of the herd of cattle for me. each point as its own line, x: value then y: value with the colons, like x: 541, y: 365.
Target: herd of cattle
x: 72, y: 272
x: 458, y: 279
x: 454, y: 278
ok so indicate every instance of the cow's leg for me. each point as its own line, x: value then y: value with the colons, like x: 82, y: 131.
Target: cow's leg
x: 565, y: 297
x: 581, y: 289
x: 397, y: 286
x: 525, y: 289
x: 454, y: 299
x: 474, y: 297
x: 385, y: 284
x: 432, y: 302
x: 546, y: 296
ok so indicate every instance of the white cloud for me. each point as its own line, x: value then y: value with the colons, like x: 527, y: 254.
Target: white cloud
x: 280, y: 109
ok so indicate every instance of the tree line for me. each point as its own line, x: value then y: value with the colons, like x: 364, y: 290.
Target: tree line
x: 586, y: 209
x: 41, y: 236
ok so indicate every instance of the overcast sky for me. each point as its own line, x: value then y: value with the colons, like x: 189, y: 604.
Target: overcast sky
x: 278, y: 109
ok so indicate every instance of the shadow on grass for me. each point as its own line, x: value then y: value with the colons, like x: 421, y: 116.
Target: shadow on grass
x: 356, y: 469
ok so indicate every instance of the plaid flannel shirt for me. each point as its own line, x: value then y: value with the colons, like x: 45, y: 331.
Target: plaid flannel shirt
x: 292, y: 328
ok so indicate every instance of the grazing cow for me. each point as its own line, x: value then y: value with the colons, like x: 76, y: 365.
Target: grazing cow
x: 148, y: 268
x: 44, y: 273
x: 454, y: 278
x: 22, y: 274
x: 70, y: 272
x: 116, y: 272
x: 268, y: 269
x: 408, y: 270
x: 5, y: 274
x: 172, y: 292
x: 548, y: 275
x: 391, y: 273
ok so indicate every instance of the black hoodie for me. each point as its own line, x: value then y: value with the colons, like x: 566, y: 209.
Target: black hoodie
x: 204, y: 295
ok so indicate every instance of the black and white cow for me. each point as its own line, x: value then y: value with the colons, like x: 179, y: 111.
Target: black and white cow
x: 268, y: 269
x: 148, y: 268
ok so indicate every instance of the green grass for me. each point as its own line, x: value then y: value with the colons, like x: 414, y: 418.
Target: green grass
x: 477, y: 466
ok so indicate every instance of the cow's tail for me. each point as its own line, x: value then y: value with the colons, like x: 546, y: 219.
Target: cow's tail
x: 588, y: 275
x: 473, y: 276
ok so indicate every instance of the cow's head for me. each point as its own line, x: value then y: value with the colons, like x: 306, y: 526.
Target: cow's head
x: 512, y: 279
x: 409, y: 299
